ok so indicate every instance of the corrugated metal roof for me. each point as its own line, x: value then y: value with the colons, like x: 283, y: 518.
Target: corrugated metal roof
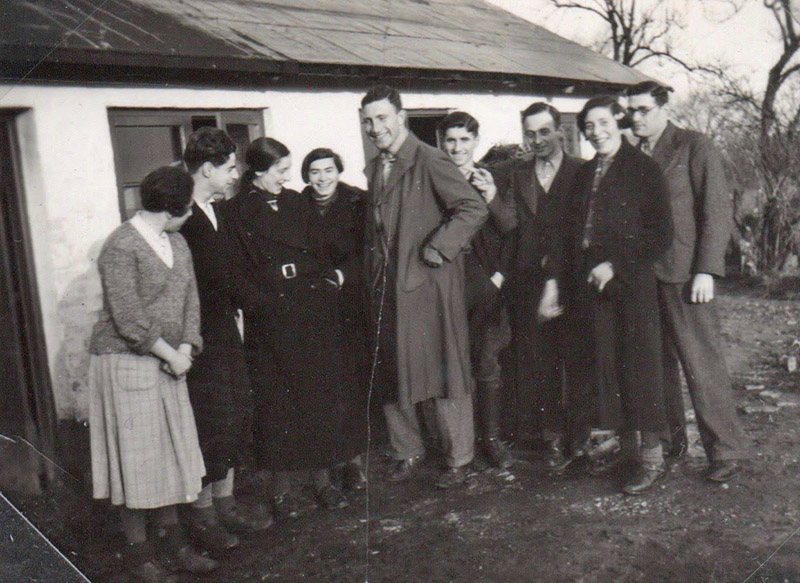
x: 455, y: 35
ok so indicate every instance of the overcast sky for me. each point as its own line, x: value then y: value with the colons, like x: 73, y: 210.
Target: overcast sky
x: 746, y: 41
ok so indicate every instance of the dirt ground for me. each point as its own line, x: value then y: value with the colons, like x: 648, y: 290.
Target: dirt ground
x: 525, y: 525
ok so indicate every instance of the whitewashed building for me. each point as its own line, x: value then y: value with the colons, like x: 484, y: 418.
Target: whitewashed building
x: 94, y: 95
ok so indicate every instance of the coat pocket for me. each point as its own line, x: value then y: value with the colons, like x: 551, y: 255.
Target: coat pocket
x: 137, y: 373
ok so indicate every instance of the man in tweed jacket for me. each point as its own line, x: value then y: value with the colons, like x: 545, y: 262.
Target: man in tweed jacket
x: 702, y: 216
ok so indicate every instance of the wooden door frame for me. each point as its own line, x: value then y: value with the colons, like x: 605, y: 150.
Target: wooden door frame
x: 37, y: 398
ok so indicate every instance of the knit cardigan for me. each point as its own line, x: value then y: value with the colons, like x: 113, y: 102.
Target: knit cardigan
x: 143, y: 299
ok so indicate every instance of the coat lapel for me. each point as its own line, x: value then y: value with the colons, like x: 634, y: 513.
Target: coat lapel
x: 404, y: 162
x: 530, y: 189
x: 665, y: 149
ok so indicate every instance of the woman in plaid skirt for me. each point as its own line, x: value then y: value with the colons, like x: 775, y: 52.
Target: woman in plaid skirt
x: 145, y: 453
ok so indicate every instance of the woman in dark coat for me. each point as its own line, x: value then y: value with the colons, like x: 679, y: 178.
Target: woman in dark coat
x: 293, y: 354
x: 620, y: 223
x: 336, y: 233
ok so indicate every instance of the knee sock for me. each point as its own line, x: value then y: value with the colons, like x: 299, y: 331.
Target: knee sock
x: 204, y: 498
x: 652, y: 451
x: 224, y: 487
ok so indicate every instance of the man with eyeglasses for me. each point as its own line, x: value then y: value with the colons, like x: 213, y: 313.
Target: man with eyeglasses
x: 703, y: 218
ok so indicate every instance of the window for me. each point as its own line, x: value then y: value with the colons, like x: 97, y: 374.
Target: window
x: 423, y: 123
x: 144, y: 139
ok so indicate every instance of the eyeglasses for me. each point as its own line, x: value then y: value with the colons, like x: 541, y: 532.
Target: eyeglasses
x: 642, y: 110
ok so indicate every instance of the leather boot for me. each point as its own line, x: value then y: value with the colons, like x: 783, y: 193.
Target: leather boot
x: 208, y: 533
x: 180, y: 556
x: 141, y: 564
x: 235, y: 520
x: 489, y: 422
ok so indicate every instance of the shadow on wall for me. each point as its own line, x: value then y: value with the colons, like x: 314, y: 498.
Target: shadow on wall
x: 77, y: 312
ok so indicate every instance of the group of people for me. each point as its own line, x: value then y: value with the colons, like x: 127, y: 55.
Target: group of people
x: 596, y: 277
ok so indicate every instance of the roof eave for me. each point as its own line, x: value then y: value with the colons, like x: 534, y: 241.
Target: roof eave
x: 71, y: 65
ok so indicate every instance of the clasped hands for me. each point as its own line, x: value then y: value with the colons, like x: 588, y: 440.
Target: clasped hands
x: 179, y: 363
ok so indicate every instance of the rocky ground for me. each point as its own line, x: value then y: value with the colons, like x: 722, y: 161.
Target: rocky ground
x: 525, y: 525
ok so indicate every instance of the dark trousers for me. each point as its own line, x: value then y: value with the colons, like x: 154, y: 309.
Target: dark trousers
x: 691, y: 339
x: 539, y: 349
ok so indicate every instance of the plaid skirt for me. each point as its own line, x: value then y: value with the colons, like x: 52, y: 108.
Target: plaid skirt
x: 145, y: 452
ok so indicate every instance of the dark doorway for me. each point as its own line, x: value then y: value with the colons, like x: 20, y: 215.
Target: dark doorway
x: 423, y: 125
x: 27, y: 416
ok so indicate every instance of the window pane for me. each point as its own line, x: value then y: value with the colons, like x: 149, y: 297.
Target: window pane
x: 239, y: 133
x: 142, y: 149
x: 202, y: 122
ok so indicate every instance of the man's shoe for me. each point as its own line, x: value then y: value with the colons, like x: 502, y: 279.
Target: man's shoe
x: 233, y: 519
x: 722, y: 470
x: 206, y: 530
x: 213, y: 538
x: 498, y: 453
x: 452, y: 477
x: 285, y: 506
x: 189, y: 560
x: 644, y: 479
x: 331, y: 498
x: 403, y: 469
x: 354, y: 477
x: 151, y: 572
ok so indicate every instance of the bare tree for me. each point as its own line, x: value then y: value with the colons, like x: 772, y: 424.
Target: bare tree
x: 764, y: 137
x: 638, y: 30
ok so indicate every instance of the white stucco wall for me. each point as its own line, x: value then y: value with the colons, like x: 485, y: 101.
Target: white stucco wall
x: 71, y: 189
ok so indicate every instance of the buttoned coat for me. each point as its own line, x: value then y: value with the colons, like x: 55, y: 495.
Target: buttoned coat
x: 293, y: 352
x: 540, y: 222
x: 437, y: 206
x: 632, y: 228
x: 218, y: 383
x: 701, y: 203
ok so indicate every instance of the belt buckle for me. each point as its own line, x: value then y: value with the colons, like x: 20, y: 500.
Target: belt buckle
x: 289, y: 270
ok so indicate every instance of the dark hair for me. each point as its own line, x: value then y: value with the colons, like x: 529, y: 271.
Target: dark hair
x: 168, y: 188
x: 262, y: 154
x: 659, y: 92
x: 610, y: 103
x: 378, y: 92
x: 542, y: 107
x: 207, y: 145
x: 320, y: 154
x: 457, y: 119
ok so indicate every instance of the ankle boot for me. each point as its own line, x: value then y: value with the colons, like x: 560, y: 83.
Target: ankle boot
x: 141, y: 564
x: 208, y: 533
x: 180, y: 554
x: 235, y: 520
x: 489, y: 423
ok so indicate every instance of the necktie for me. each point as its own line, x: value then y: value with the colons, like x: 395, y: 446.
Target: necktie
x: 645, y: 146
x: 387, y: 161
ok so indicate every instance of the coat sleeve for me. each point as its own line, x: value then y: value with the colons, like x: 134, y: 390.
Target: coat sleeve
x: 713, y: 207
x: 465, y: 207
x: 119, y: 273
x: 655, y: 216
x: 191, y: 306
x: 245, y: 292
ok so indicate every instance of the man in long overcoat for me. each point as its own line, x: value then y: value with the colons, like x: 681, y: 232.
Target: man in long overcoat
x: 421, y: 214
x: 218, y: 384
x: 703, y: 219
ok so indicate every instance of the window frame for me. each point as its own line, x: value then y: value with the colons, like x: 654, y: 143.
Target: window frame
x: 119, y: 117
